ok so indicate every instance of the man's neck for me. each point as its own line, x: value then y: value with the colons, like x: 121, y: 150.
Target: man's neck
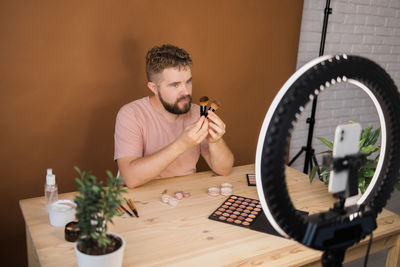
x: 159, y: 108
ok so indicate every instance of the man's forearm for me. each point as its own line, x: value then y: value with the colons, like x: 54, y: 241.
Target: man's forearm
x: 142, y: 170
x: 221, y: 157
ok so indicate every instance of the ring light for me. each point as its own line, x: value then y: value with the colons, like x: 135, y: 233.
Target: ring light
x: 284, y: 111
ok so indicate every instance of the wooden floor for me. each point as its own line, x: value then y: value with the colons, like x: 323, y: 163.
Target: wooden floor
x: 379, y: 259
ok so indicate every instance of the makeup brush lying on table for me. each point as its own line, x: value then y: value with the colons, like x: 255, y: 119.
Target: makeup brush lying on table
x: 124, y: 209
x: 214, y: 106
x: 132, y: 206
x: 203, y: 105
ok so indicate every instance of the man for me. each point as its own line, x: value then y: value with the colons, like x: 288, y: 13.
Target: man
x: 163, y: 135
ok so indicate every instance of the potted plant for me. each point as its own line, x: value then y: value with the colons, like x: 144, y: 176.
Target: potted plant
x: 96, y: 206
x: 368, y: 146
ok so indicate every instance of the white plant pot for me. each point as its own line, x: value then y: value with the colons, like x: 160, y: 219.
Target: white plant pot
x: 113, y: 259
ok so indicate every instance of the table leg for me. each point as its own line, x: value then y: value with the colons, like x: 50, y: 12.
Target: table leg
x: 393, y: 256
x: 33, y: 259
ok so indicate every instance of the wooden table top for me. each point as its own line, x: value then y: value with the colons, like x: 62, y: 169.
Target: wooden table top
x: 184, y: 236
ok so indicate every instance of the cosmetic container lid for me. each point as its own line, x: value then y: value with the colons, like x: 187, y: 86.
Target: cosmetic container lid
x: 173, y: 201
x: 50, y: 177
x: 213, y: 191
x: 165, y: 198
x: 72, y: 231
x: 226, y: 185
x: 226, y: 191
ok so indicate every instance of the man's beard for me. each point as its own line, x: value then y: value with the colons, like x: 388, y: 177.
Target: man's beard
x: 174, y: 108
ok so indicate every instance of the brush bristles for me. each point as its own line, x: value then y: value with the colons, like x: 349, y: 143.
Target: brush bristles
x: 203, y: 101
x: 215, y: 105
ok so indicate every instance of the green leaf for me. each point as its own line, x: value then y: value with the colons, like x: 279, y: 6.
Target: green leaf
x: 366, y: 132
x: 312, y: 174
x: 77, y: 169
x: 362, y: 185
x: 375, y: 136
x: 326, y: 142
x: 369, y: 164
x: 367, y: 173
x: 362, y: 143
x: 326, y: 152
x: 368, y: 150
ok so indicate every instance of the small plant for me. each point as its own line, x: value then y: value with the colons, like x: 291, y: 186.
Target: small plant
x: 367, y: 146
x: 96, y: 206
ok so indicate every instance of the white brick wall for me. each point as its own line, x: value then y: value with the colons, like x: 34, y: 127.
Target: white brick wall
x: 369, y: 28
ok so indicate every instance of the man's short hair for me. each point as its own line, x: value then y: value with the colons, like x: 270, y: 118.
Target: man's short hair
x: 166, y: 56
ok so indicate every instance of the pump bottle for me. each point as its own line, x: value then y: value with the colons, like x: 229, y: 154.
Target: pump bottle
x: 50, y: 188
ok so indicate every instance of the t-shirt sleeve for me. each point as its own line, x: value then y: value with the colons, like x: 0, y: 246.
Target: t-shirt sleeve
x: 128, y: 136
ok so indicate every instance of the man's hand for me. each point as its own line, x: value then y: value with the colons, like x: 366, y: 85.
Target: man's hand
x: 194, y: 134
x: 216, y: 127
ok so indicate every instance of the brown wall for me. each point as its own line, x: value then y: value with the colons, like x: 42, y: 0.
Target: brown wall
x: 66, y: 68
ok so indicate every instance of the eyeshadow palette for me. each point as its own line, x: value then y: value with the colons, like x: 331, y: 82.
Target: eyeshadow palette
x: 244, y: 212
x: 251, y: 179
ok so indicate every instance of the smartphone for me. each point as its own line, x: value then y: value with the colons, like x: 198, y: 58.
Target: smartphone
x: 346, y: 142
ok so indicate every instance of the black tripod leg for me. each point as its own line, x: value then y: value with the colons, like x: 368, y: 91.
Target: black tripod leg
x: 297, y: 155
x: 314, y: 159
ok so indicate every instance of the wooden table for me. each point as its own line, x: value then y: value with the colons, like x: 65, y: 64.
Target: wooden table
x: 184, y: 236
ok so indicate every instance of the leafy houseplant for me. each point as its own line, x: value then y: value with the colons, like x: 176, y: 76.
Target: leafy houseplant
x: 96, y: 206
x: 367, y: 146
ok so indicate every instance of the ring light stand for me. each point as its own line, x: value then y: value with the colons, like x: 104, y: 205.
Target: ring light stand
x: 335, y: 230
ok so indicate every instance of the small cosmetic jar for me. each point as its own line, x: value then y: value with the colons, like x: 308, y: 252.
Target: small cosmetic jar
x: 72, y: 231
x: 226, y: 185
x: 179, y: 195
x: 61, y: 212
x: 173, y: 201
x: 213, y: 191
x: 165, y: 198
x: 226, y: 189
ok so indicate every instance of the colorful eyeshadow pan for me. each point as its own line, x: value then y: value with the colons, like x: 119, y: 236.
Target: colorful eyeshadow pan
x: 238, y: 211
x: 244, y: 212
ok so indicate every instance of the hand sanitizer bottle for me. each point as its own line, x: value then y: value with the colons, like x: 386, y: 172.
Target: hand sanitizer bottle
x: 50, y: 188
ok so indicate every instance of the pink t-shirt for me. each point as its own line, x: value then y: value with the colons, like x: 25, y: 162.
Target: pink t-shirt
x: 141, y: 131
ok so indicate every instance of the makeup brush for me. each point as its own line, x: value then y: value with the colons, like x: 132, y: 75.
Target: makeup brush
x: 203, y: 105
x: 134, y: 209
x: 132, y: 206
x: 214, y: 106
x: 127, y: 211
